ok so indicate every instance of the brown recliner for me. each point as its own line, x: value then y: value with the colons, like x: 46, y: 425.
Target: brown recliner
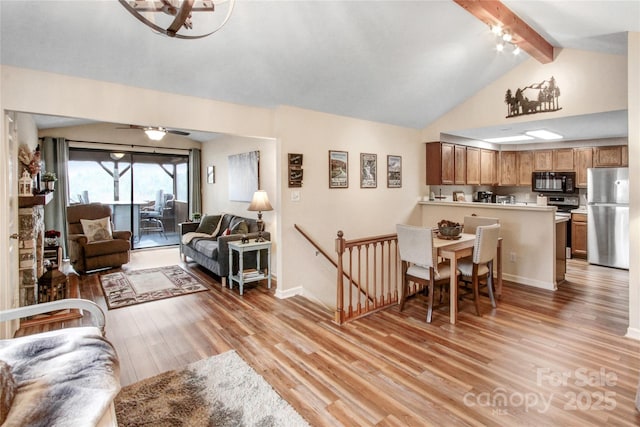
x: 87, y: 256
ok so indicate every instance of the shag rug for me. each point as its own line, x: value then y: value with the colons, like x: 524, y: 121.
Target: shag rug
x: 219, y: 391
x: 134, y: 287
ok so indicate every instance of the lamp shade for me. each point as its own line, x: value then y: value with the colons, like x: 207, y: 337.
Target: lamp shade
x: 260, y: 202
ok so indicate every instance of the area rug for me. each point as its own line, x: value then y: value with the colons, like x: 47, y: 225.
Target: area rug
x: 219, y: 391
x: 134, y: 287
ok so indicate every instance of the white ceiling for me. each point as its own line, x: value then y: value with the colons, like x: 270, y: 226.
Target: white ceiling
x: 400, y: 62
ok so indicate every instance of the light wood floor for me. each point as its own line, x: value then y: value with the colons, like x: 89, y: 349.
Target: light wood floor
x: 541, y: 358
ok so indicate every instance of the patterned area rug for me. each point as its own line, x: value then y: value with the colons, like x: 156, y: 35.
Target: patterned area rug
x: 123, y: 289
x: 219, y: 391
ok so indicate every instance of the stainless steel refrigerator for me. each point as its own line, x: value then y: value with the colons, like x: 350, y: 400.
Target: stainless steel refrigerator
x: 608, y: 217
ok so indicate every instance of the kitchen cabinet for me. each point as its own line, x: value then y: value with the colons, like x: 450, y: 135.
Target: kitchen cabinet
x: 579, y: 235
x: 563, y: 160
x: 543, y: 160
x: 584, y: 161
x: 625, y: 155
x: 508, y: 168
x: 488, y: 175
x: 460, y: 165
x: 525, y: 167
x: 440, y: 163
x: 473, y: 166
x: 610, y: 156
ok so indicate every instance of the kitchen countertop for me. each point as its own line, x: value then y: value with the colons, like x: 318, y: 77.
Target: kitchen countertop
x: 580, y: 210
x: 516, y: 206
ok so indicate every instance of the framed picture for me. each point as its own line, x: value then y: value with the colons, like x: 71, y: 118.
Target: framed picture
x: 394, y: 171
x: 211, y: 174
x: 338, y: 169
x: 295, y: 159
x: 368, y: 170
x: 458, y: 196
x: 295, y: 176
x: 244, y: 176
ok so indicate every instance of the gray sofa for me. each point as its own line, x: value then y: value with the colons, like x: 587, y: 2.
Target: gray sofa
x: 213, y: 252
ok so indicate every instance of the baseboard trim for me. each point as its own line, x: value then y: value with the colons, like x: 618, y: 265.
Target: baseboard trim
x: 288, y: 293
x: 550, y: 286
x: 633, y: 333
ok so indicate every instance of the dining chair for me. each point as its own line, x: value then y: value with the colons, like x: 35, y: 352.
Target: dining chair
x: 480, y: 265
x: 472, y: 222
x: 419, y: 262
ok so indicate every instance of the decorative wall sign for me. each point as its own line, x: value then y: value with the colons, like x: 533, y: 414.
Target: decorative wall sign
x: 295, y: 170
x: 536, y: 98
x: 244, y: 176
x: 368, y: 170
x: 394, y: 171
x: 338, y: 169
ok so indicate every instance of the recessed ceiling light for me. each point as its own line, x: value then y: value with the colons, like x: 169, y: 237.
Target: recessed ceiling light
x: 513, y: 138
x: 544, y: 134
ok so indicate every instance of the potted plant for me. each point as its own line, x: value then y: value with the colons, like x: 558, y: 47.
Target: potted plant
x: 195, y: 217
x: 49, y: 179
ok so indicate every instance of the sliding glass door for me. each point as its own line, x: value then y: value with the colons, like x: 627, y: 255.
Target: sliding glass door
x: 147, y: 192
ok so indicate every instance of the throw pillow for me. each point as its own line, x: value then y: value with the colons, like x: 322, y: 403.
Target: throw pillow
x: 226, y: 232
x: 97, y: 229
x: 7, y: 390
x: 239, y: 226
x: 209, y: 225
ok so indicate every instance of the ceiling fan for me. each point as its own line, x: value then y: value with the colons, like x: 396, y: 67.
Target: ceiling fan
x: 156, y: 133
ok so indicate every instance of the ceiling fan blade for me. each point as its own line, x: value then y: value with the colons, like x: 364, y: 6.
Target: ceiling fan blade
x: 178, y: 132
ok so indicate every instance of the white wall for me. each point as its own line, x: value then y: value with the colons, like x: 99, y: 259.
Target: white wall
x: 634, y: 187
x: 321, y: 211
x: 589, y: 82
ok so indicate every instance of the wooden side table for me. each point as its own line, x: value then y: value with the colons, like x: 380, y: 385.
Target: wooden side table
x: 242, y: 276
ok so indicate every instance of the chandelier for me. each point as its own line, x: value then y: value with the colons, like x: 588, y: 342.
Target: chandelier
x: 178, y: 14
x: 504, y: 39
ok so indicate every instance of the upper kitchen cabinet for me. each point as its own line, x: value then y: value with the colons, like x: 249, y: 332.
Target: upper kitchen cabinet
x: 488, y: 162
x: 473, y: 166
x: 610, y: 156
x: 584, y: 161
x: 543, y: 160
x: 460, y: 165
x: 508, y: 168
x: 440, y: 163
x: 563, y: 160
x: 525, y: 167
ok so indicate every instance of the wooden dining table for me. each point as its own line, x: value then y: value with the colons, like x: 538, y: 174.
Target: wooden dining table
x: 453, y: 250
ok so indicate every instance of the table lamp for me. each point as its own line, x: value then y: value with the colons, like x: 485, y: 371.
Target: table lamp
x: 260, y: 202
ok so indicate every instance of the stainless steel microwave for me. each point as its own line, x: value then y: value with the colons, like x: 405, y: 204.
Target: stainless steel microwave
x: 553, y: 182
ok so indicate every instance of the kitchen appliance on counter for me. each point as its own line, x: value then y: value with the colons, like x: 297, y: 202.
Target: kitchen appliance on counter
x: 483, y: 197
x: 608, y: 217
x: 553, y: 182
x: 504, y: 200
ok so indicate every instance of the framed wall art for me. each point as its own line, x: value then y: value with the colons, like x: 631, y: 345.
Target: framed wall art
x: 211, y: 174
x: 295, y: 159
x: 368, y: 170
x: 338, y: 169
x: 244, y: 176
x: 394, y: 171
x: 295, y: 170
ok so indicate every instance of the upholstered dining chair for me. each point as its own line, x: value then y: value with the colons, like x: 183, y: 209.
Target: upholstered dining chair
x: 472, y: 222
x: 419, y: 262
x: 480, y: 265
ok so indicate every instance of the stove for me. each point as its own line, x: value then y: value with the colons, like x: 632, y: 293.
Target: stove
x: 565, y: 204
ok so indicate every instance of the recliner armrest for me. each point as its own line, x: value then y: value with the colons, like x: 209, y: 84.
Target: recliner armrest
x: 80, y: 239
x: 122, y: 234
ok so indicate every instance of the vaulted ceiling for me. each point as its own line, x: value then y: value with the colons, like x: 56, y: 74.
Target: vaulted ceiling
x: 400, y: 62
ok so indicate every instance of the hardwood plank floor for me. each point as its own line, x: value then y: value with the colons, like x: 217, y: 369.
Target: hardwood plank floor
x: 540, y: 358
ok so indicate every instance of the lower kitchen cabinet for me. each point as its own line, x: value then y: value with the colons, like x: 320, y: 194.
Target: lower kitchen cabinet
x: 579, y: 235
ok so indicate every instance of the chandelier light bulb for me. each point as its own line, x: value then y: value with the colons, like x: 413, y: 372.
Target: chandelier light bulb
x: 500, y: 47
x: 496, y: 29
x: 516, y: 51
x: 506, y: 37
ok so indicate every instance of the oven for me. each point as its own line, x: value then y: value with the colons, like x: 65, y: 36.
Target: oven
x: 564, y: 204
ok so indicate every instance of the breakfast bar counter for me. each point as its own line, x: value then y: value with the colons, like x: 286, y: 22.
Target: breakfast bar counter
x: 531, y: 252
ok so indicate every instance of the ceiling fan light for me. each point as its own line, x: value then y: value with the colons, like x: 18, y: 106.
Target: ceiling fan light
x: 155, y: 134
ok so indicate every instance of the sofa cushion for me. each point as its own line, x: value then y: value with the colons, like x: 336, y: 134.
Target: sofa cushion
x: 209, y: 225
x: 7, y: 390
x: 106, y: 247
x: 97, y: 229
x: 207, y: 247
x: 239, y: 226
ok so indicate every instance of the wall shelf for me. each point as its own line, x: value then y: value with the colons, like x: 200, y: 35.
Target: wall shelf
x: 38, y: 199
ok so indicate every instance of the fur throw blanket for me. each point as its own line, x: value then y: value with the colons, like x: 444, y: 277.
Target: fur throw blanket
x: 67, y: 377
x: 188, y: 237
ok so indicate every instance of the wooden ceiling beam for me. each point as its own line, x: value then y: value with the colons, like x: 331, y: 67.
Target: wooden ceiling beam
x: 493, y: 12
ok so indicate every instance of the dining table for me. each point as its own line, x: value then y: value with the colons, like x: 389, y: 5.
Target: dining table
x: 453, y: 250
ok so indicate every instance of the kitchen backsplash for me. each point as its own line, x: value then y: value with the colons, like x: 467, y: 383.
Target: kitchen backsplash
x: 522, y: 194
